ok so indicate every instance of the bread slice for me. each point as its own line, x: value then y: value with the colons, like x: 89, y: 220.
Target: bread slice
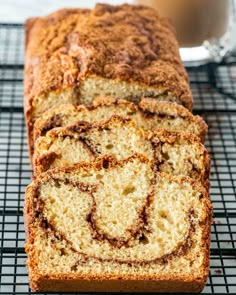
x: 148, y: 114
x: 175, y: 153
x: 74, y: 55
x: 117, y: 226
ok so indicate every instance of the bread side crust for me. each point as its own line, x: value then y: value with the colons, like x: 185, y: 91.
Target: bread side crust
x: 97, y: 284
x: 91, y: 282
x: 28, y: 26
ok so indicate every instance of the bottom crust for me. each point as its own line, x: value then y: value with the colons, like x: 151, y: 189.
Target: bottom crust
x: 69, y: 285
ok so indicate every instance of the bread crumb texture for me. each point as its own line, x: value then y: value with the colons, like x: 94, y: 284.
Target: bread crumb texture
x: 109, y: 220
x: 175, y: 153
x: 148, y: 114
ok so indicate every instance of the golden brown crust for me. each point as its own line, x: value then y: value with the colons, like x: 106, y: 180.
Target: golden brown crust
x: 136, y: 38
x: 120, y: 43
x: 57, y: 284
x: 143, y: 282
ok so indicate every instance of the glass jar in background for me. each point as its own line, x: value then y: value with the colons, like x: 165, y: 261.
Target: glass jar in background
x: 205, y: 28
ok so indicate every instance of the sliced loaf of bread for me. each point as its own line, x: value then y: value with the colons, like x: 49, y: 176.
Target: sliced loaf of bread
x: 172, y: 152
x: 117, y: 226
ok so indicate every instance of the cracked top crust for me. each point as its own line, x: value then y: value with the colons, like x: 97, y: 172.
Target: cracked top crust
x: 127, y: 43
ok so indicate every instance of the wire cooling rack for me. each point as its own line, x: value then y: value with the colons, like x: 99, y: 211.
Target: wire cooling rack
x: 214, y: 90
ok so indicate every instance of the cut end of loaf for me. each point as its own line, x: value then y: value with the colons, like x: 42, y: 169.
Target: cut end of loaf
x: 148, y: 115
x: 108, y: 220
x: 94, y: 87
x: 172, y: 152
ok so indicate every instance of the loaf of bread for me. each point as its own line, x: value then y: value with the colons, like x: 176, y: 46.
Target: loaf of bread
x: 175, y: 153
x: 74, y: 55
x: 119, y: 200
x: 117, y: 226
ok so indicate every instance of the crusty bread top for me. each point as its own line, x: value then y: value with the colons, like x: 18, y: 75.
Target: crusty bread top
x: 148, y: 114
x: 129, y: 43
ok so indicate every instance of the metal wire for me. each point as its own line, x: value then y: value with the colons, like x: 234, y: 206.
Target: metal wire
x: 214, y: 90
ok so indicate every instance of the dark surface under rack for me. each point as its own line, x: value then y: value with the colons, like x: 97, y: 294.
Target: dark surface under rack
x: 214, y: 90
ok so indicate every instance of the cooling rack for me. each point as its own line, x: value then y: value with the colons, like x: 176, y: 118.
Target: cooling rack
x: 214, y: 90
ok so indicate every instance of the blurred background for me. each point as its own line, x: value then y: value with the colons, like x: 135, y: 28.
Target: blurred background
x: 19, y: 10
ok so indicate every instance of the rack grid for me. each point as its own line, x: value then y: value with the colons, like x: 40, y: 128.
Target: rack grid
x: 214, y: 90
